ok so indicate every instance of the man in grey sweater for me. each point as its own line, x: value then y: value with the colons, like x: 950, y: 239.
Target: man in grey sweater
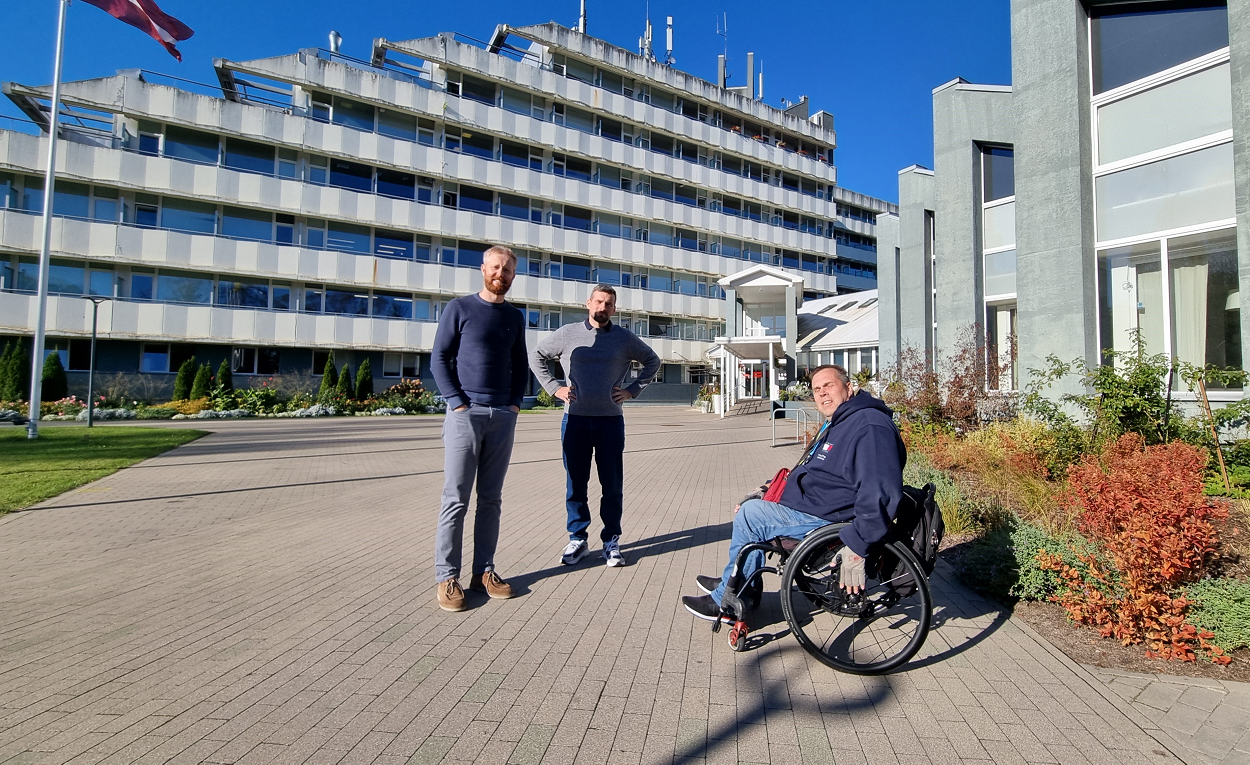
x: 595, y: 355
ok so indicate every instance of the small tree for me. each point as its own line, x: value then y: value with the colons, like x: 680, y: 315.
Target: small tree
x: 8, y: 383
x: 344, y: 386
x: 20, y: 364
x: 225, y: 377
x: 329, y: 378
x: 203, y: 383
x: 186, y: 376
x: 364, y: 381
x: 55, y: 383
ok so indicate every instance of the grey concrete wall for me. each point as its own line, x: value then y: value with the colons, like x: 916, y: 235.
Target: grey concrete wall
x: 888, y: 288
x: 1055, y: 261
x: 1239, y: 53
x: 964, y: 116
x: 915, y: 196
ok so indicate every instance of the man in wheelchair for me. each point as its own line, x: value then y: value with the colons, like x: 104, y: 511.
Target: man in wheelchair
x: 853, y: 471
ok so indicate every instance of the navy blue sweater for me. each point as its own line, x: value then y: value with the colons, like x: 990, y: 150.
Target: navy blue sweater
x: 479, y: 353
x: 856, y: 472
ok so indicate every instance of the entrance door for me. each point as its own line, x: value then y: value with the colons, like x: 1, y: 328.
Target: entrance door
x: 753, y: 379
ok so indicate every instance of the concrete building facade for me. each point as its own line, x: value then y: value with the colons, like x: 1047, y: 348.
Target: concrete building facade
x: 1101, y: 196
x: 315, y: 203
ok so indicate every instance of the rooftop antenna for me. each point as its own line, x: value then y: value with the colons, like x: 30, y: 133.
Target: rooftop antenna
x: 581, y: 20
x: 644, y: 43
x: 722, y: 29
x: 668, y: 53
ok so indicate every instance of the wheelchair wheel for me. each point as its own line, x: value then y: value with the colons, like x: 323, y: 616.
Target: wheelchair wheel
x: 871, y: 633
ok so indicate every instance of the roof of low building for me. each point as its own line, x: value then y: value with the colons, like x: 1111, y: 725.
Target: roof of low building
x: 845, y: 321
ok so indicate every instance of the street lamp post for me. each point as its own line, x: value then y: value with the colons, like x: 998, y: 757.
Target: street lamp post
x: 95, y: 321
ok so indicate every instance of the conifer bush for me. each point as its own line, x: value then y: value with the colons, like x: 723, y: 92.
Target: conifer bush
x: 225, y: 377
x: 203, y: 384
x: 17, y: 385
x: 364, y: 381
x: 186, y: 376
x: 344, y: 386
x: 8, y: 383
x: 55, y: 383
x: 329, y: 379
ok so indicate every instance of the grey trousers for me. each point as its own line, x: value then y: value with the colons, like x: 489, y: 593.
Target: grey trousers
x: 477, y: 445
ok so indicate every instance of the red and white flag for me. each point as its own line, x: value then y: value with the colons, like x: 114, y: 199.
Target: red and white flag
x: 146, y: 15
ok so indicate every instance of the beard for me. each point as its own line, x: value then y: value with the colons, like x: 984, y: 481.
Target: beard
x: 498, y: 286
x: 600, y: 318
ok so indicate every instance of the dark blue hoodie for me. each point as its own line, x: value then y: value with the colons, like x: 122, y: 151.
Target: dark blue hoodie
x: 856, y: 471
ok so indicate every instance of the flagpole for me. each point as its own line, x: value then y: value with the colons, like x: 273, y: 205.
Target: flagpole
x: 45, y: 253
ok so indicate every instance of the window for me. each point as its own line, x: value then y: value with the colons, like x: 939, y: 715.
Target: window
x: 104, y: 205
x: 248, y: 156
x: 65, y: 277
x: 186, y: 215
x: 1186, y: 190
x: 288, y: 163
x: 241, y: 223
x: 999, y: 174
x: 999, y: 228
x: 471, y: 254
x: 242, y: 292
x: 351, y: 175
x: 477, y: 90
x: 313, y: 300
x: 1130, y: 42
x: 71, y: 199
x: 348, y: 237
x: 344, y: 302
x: 285, y: 229
x: 1000, y: 273
x: 192, y: 145
x: 478, y: 145
x: 401, y: 365
x: 392, y: 183
x: 155, y: 358
x: 281, y: 297
x: 577, y: 218
x: 1182, y: 110
x: 178, y: 287
x: 140, y: 285
x: 353, y: 114
x: 515, y: 154
x: 397, y: 124
x: 516, y: 101
x: 100, y: 282
x: 393, y: 306
x: 579, y: 120
x: 392, y: 244
x: 517, y: 208
x: 477, y: 200
x: 243, y: 361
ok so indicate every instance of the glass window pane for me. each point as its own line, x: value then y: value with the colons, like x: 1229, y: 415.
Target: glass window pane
x: 391, y: 364
x: 1206, y: 306
x: 65, y: 278
x: 345, y: 236
x: 999, y: 169
x: 1130, y: 297
x: 185, y: 215
x: 1128, y: 46
x: 353, y: 114
x: 105, y: 201
x: 249, y: 156
x: 71, y: 199
x: 155, y: 358
x: 478, y: 144
x: 1182, y: 191
x: 577, y: 218
x: 661, y: 280
x: 471, y: 254
x: 267, y: 361
x: 392, y: 244
x: 1000, y: 273
x: 140, y: 286
x: 242, y: 292
x: 353, y: 303
x: 1000, y: 226
x: 397, y: 124
x: 477, y: 200
x: 241, y: 223
x: 190, y: 144
x: 1191, y: 107
x: 100, y: 283
x: 392, y: 183
x: 243, y: 361
x: 477, y: 90
x: 577, y: 269
x: 282, y: 298
x: 351, y: 175
x: 514, y: 207
x: 392, y: 306
x: 175, y: 287
x: 516, y: 101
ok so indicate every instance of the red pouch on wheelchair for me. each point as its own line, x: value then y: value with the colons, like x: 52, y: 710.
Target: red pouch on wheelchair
x: 777, y: 486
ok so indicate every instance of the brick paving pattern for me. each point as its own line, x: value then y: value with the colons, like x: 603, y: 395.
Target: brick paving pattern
x: 266, y: 594
x: 1205, y: 720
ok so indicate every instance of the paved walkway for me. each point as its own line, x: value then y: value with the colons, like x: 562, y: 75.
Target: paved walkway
x: 1202, y: 720
x: 265, y: 594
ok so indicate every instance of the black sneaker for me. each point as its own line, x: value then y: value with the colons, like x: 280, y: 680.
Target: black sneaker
x: 707, y: 583
x: 704, y: 607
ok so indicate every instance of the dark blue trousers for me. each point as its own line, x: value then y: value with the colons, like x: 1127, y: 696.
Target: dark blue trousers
x: 604, y: 438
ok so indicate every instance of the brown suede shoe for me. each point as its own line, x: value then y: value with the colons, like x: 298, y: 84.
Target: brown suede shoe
x: 450, y: 595
x: 492, y: 584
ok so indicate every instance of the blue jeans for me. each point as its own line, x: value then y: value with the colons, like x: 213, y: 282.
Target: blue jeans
x: 604, y: 437
x: 760, y: 521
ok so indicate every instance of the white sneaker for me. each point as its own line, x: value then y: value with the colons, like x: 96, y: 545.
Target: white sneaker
x: 612, y: 552
x: 575, y: 551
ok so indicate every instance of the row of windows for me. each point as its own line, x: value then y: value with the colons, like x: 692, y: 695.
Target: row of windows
x: 101, y: 203
x: 247, y: 156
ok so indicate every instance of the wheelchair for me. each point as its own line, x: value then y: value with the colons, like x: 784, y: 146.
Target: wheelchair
x: 866, y: 633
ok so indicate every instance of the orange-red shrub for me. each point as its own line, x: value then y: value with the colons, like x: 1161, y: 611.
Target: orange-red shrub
x: 1145, y: 508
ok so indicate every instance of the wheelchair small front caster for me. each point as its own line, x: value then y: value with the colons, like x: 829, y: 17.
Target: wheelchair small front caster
x: 738, y: 636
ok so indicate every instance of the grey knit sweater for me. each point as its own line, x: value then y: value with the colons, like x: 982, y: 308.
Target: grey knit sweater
x: 595, y: 360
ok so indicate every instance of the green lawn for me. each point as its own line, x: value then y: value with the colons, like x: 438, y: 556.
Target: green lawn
x: 63, y: 458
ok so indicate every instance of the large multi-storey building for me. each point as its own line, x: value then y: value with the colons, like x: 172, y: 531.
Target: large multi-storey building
x: 1104, y: 197
x: 315, y: 203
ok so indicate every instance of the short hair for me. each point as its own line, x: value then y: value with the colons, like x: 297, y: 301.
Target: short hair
x: 840, y: 371
x: 606, y: 289
x: 499, y: 249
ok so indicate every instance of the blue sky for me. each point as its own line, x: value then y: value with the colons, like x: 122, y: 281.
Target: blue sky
x: 872, y: 63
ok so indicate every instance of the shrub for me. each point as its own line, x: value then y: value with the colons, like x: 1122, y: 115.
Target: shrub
x: 364, y: 381
x: 546, y: 400
x: 182, y: 383
x: 261, y: 400
x: 225, y: 376
x: 55, y: 383
x: 946, y: 391
x: 8, y: 383
x: 409, y: 395
x: 329, y: 378
x: 155, y: 412
x: 1144, y: 507
x: 344, y: 387
x: 203, y: 384
x: 190, y: 406
x: 1221, y: 607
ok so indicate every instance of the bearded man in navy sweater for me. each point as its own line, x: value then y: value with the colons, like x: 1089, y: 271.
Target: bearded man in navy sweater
x: 481, y: 368
x: 852, y: 472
